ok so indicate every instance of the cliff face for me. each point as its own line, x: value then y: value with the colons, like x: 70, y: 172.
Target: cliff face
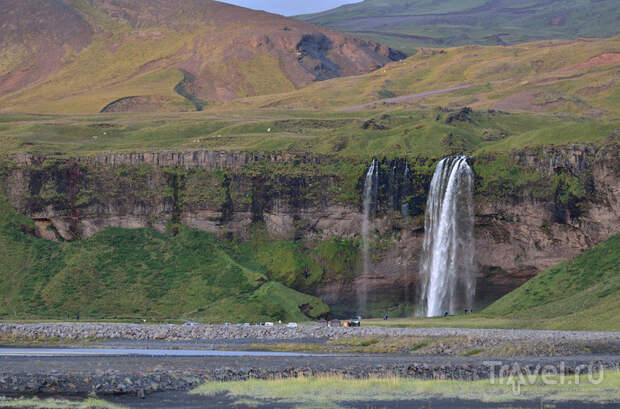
x: 533, y: 208
x: 548, y: 224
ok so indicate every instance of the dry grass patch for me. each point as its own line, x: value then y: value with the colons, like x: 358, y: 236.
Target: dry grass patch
x: 328, y: 391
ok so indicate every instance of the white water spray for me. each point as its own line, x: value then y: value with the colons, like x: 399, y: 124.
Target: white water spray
x: 447, y: 267
x: 371, y: 187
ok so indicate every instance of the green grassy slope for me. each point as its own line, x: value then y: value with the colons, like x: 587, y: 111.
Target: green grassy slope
x: 574, y: 77
x: 140, y: 274
x: 408, y: 24
x: 428, y: 133
x: 580, y: 294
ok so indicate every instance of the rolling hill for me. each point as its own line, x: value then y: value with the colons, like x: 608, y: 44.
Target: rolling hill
x: 574, y: 77
x: 408, y: 24
x: 79, y: 56
x: 580, y: 294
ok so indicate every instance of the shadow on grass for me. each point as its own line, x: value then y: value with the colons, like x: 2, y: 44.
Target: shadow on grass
x: 182, y: 400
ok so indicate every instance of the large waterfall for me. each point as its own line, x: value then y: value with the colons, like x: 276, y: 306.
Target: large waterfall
x: 371, y: 187
x: 447, y: 268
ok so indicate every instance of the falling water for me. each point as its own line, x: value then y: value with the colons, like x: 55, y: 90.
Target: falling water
x: 447, y: 268
x: 393, y: 189
x: 404, y: 208
x: 371, y: 187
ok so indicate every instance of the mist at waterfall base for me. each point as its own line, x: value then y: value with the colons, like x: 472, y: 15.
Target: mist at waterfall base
x: 447, y: 268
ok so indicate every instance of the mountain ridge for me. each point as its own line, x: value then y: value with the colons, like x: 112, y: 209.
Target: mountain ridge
x: 409, y: 24
x: 77, y: 56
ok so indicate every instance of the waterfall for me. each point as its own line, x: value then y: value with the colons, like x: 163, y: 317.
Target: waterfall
x: 371, y: 188
x: 447, y: 266
x: 392, y: 186
x: 404, y: 208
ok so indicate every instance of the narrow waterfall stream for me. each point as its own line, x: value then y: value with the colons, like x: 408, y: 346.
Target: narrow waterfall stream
x: 371, y: 187
x: 406, y: 191
x: 447, y: 267
x: 393, y: 190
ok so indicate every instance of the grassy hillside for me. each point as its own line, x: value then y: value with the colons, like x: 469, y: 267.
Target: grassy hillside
x: 573, y: 77
x: 360, y: 135
x: 145, y: 56
x: 408, y: 24
x: 580, y: 294
x: 145, y: 274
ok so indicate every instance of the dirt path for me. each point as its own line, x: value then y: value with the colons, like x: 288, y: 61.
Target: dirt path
x: 403, y: 98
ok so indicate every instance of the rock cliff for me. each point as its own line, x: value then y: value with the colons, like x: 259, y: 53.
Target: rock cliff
x: 534, y: 208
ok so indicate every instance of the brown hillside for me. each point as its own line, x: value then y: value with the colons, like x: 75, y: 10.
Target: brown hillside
x: 35, y: 35
x: 82, y: 55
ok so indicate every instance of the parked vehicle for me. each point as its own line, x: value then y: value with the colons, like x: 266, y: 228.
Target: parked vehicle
x: 292, y: 325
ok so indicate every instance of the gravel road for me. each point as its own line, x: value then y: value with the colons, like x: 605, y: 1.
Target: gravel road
x: 404, y: 98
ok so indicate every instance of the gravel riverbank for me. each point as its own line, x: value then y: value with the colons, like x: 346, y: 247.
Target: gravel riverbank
x: 139, y: 375
x: 102, y: 331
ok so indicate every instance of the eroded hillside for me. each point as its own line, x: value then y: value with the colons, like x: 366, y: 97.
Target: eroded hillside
x: 76, y: 56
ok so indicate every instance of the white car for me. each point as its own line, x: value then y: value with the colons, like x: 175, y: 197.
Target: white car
x: 269, y: 324
x: 292, y: 325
